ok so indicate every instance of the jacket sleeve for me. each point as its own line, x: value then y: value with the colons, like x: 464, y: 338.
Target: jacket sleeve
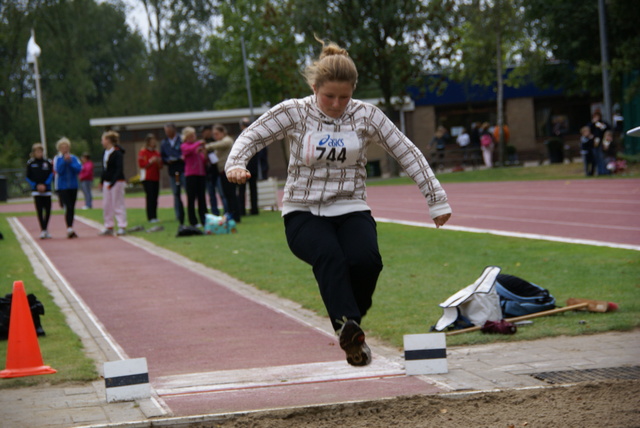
x: 29, y: 177
x: 49, y: 179
x: 270, y: 127
x: 163, y: 153
x: 75, y: 165
x: 118, y: 171
x: 189, y: 149
x: 412, y: 161
x: 143, y: 160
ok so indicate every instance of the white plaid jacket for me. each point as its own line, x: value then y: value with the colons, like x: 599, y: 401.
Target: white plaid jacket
x: 329, y: 189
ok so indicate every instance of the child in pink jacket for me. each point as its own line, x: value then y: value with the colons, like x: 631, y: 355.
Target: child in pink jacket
x: 195, y: 172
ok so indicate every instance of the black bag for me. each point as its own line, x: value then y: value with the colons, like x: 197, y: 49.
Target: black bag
x: 36, y: 307
x: 188, y: 231
x: 519, y: 297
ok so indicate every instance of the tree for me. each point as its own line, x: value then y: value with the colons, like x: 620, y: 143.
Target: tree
x: 178, y: 67
x: 275, y: 55
x: 493, y: 33
x: 80, y: 67
x: 569, y: 31
x: 393, y: 42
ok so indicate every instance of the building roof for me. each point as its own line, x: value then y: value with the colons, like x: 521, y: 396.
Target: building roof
x: 196, y: 118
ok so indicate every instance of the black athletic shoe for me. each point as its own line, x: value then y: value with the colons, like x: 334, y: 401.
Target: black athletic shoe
x: 353, y: 344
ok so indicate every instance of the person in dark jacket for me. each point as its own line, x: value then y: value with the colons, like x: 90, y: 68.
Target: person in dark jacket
x: 39, y: 176
x: 113, y: 184
x: 172, y: 157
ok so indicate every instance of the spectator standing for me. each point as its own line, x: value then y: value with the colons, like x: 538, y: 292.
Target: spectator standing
x: 598, y: 127
x: 586, y: 151
x: 39, y: 176
x: 222, y: 145
x: 172, y: 157
x: 150, y: 163
x: 609, y: 151
x: 253, y: 166
x: 195, y: 164
x: 464, y: 141
x: 67, y: 168
x: 487, y: 145
x: 86, y: 180
x: 113, y: 184
x: 328, y: 223
x: 214, y: 187
x: 474, y: 137
x: 438, y: 144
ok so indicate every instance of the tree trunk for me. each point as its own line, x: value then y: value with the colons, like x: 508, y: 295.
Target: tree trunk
x: 500, y: 87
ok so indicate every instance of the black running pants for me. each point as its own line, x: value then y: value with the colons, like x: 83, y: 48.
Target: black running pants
x: 68, y: 198
x: 343, y: 252
x: 43, y: 209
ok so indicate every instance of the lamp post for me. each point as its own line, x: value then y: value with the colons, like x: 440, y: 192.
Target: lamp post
x: 33, y: 52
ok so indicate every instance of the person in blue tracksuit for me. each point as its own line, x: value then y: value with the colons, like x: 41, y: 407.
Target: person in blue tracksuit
x: 67, y: 167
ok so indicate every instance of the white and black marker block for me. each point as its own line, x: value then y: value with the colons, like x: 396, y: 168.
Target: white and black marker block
x: 126, y: 380
x: 425, y: 353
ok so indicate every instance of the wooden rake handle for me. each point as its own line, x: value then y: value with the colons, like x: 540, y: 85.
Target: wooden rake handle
x: 525, y: 317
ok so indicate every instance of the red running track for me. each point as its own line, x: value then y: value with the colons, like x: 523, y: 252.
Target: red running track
x: 591, y: 211
x: 606, y: 211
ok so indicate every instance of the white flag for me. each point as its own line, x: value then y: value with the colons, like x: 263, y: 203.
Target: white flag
x: 33, y: 50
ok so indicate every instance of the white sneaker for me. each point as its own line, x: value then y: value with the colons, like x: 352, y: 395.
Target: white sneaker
x: 45, y: 235
x: 86, y: 208
x: 154, y: 220
x: 121, y: 232
x: 71, y: 234
x: 106, y: 232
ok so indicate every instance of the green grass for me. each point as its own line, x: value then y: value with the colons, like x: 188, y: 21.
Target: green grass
x: 60, y: 348
x: 423, y: 267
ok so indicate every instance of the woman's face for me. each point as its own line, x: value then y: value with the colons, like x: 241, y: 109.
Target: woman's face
x: 153, y: 143
x: 106, y: 143
x: 333, y: 97
x: 38, y: 153
x: 218, y: 135
x: 64, y: 149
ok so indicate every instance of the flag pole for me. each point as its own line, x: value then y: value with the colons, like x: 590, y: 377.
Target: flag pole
x: 246, y: 77
x: 43, y: 139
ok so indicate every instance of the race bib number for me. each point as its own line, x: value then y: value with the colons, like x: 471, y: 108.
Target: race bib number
x: 335, y: 148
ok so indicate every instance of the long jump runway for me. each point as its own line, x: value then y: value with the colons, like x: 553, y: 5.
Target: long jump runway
x: 212, y: 345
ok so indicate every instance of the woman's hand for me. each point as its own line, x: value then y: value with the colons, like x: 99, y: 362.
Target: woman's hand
x: 41, y: 188
x: 238, y: 175
x: 441, y: 220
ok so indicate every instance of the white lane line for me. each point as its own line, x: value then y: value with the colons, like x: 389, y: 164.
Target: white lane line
x: 520, y: 220
x: 590, y: 211
x: 515, y: 234
x: 529, y: 197
x: 69, y: 293
x: 62, y: 281
x: 268, y: 377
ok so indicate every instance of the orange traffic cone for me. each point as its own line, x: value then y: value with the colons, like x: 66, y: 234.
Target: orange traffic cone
x: 23, y: 352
